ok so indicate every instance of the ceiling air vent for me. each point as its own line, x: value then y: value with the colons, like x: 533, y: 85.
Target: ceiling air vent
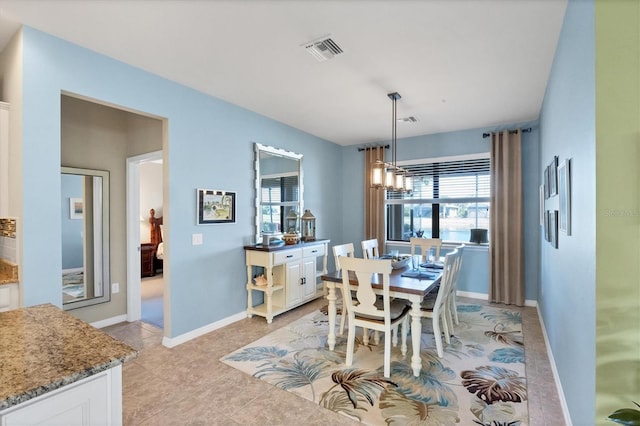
x: 323, y: 48
x: 410, y: 119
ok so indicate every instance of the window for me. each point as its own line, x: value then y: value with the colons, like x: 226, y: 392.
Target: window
x: 278, y: 195
x: 449, y: 199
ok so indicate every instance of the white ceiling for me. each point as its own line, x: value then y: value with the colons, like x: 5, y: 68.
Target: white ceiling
x: 458, y: 64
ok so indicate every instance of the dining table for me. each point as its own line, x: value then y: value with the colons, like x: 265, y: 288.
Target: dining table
x: 411, y: 288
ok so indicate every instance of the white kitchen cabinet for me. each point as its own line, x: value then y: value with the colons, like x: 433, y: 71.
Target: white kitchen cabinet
x: 95, y: 400
x: 292, y: 274
x: 9, y: 296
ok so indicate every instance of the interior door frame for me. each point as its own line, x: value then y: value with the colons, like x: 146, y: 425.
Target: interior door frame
x: 134, y: 298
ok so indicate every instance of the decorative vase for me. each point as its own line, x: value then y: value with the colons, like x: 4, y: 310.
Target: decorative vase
x: 291, y: 238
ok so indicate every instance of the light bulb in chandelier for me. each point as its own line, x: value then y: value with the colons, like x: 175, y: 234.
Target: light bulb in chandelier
x: 408, y: 184
x: 376, y: 176
x: 399, y: 185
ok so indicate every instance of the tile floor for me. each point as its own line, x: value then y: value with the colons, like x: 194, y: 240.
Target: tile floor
x: 187, y: 385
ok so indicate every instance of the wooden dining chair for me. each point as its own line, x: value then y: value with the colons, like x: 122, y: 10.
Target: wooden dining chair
x: 370, y: 249
x: 365, y: 310
x: 426, y: 245
x: 437, y: 308
x: 339, y: 250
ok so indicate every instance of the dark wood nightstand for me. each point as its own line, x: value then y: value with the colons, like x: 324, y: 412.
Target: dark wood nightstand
x: 147, y: 254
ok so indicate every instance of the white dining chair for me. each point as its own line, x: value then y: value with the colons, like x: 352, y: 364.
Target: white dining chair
x: 426, y: 245
x: 453, y: 291
x: 365, y: 310
x: 437, y: 308
x: 370, y: 249
x: 339, y: 250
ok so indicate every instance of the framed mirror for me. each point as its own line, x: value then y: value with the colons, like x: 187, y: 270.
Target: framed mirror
x: 278, y: 188
x: 85, y: 237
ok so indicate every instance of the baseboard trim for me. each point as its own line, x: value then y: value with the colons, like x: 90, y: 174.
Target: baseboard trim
x: 471, y: 295
x: 171, y: 342
x: 554, y: 370
x: 110, y: 321
x: 484, y: 296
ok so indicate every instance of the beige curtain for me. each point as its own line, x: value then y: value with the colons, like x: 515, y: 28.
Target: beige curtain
x: 506, y: 248
x: 373, y: 199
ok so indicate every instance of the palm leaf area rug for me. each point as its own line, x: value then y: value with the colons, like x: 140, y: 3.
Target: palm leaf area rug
x: 480, y: 380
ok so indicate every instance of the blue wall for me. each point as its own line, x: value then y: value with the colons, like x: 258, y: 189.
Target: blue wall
x: 567, y: 290
x: 210, y: 145
x: 475, y: 272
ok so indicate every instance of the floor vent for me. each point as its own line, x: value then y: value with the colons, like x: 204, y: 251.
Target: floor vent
x: 323, y: 49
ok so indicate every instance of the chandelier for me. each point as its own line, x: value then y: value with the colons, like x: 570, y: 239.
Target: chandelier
x: 395, y: 178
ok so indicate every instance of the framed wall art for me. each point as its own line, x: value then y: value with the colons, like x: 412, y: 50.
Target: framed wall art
x: 541, y: 200
x: 553, y: 228
x: 75, y: 208
x: 215, y: 206
x: 546, y: 182
x: 564, y: 188
x: 546, y: 225
x: 553, y: 177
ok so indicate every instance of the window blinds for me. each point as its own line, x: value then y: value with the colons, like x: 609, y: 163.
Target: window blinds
x: 450, y: 181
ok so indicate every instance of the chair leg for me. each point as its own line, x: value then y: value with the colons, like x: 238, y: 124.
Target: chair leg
x: 376, y: 337
x: 343, y: 315
x: 351, y: 337
x: 343, y: 318
x: 404, y: 331
x: 444, y: 317
x: 437, y: 336
x: 365, y: 336
x: 387, y: 355
x: 454, y: 309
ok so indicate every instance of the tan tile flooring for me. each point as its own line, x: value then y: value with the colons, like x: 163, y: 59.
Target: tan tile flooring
x: 188, y: 385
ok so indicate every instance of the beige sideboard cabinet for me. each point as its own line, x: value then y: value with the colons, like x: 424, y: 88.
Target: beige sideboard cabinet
x: 292, y: 274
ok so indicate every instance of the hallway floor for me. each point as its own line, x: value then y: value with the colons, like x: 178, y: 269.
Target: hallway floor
x: 151, y: 291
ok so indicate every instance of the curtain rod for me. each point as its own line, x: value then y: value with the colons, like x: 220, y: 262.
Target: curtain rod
x: 527, y: 130
x: 372, y: 147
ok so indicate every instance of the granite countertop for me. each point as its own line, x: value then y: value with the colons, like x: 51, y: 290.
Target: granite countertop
x: 43, y: 348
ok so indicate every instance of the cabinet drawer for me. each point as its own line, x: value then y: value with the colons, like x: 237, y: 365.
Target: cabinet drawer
x: 286, y: 256
x: 313, y: 251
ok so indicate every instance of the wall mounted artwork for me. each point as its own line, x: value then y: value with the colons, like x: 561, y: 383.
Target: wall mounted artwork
x: 215, y: 206
x: 552, y: 172
x: 564, y: 188
x: 75, y: 208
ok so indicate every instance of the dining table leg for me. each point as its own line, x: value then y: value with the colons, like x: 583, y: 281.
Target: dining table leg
x: 416, y: 334
x: 331, y: 297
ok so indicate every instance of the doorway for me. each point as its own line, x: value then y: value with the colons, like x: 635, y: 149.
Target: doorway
x: 145, y: 294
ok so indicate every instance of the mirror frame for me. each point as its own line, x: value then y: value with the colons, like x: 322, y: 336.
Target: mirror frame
x: 266, y: 149
x: 105, y: 246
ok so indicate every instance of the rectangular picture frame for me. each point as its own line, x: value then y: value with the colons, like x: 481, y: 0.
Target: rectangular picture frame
x: 546, y: 182
x: 76, y: 208
x: 553, y: 228
x: 546, y: 225
x: 553, y: 177
x: 215, y: 206
x: 541, y: 201
x: 564, y: 199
